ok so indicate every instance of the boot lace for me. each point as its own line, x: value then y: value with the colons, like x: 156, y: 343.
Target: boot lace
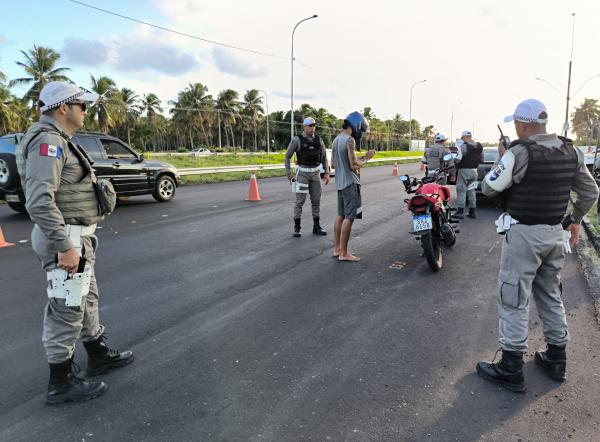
x: 112, y: 352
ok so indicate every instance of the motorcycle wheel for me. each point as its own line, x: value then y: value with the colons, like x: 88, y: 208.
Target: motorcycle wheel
x: 433, y: 251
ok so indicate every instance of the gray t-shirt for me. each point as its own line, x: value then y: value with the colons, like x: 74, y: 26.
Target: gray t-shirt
x: 344, y: 175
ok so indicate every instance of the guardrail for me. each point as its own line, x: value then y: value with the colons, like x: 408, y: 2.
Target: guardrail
x: 259, y: 167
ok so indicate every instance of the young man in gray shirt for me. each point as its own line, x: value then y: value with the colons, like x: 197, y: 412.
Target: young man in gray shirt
x: 347, y: 183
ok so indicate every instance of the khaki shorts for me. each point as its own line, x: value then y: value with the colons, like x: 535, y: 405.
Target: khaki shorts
x: 349, y: 202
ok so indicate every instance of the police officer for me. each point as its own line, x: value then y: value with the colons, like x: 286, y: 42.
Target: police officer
x: 433, y: 157
x: 535, y: 177
x: 470, y: 155
x: 62, y: 201
x: 311, y: 167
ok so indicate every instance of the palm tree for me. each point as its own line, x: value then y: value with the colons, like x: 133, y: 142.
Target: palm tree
x: 253, y: 110
x: 109, y: 108
x: 9, y: 118
x: 132, y: 109
x: 151, y: 105
x: 227, y: 103
x: 191, y: 102
x: 39, y: 64
x: 585, y: 118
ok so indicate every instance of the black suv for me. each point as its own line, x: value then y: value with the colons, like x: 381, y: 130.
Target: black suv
x: 129, y: 172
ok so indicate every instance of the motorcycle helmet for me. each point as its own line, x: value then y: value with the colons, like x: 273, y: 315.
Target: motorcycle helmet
x: 440, y: 138
x: 359, y: 124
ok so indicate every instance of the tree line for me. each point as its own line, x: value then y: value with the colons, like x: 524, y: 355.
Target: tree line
x: 198, y: 119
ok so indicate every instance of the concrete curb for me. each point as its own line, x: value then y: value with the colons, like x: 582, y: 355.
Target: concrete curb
x: 588, y: 252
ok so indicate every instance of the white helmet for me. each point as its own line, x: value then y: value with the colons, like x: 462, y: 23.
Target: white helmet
x: 440, y: 138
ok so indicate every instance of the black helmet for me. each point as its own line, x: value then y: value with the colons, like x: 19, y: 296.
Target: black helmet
x: 359, y: 124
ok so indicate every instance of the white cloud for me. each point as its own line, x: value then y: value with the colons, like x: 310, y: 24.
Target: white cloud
x: 85, y: 52
x: 229, y: 63
x: 135, y: 55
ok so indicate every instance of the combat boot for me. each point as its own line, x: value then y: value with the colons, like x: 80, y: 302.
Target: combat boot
x: 101, y: 358
x: 553, y: 361
x: 66, y: 386
x: 459, y: 214
x: 296, y: 233
x: 317, y: 229
x: 508, y: 372
x: 471, y: 213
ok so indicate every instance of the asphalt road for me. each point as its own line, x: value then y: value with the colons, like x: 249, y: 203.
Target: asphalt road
x: 242, y: 332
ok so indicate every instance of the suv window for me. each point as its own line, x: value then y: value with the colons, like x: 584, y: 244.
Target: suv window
x: 7, y: 144
x: 114, y: 149
x: 90, y: 146
x: 490, y: 156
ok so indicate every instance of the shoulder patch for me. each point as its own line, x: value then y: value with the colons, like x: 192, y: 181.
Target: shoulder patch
x: 49, y: 150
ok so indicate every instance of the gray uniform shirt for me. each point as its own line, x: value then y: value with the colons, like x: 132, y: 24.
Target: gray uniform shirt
x: 433, y: 156
x: 512, y: 167
x: 294, y: 146
x: 344, y: 175
x: 49, y: 162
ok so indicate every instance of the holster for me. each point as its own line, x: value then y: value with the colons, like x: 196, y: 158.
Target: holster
x: 71, y: 288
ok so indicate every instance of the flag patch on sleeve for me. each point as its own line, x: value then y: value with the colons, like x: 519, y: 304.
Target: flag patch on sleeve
x: 48, y: 150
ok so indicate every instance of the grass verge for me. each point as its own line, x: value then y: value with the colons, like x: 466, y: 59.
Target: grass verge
x: 243, y: 176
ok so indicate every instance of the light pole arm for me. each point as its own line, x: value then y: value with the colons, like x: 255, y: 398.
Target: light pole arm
x: 292, y: 76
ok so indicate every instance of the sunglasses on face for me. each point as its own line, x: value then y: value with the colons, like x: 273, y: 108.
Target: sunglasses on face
x: 83, y: 106
x: 312, y: 125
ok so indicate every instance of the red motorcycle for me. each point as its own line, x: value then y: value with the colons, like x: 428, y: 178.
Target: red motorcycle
x: 432, y: 222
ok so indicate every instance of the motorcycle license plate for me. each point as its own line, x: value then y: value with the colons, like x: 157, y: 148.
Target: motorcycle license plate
x: 422, y: 222
x: 12, y: 198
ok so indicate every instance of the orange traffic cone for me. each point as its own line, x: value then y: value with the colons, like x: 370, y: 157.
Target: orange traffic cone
x: 422, y: 166
x: 253, y: 194
x: 395, y: 170
x: 3, y: 242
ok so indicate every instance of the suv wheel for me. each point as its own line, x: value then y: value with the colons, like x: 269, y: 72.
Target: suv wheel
x: 9, y: 176
x: 164, y: 189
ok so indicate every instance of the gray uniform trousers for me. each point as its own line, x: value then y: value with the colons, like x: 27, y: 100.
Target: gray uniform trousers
x: 464, y: 178
x: 532, y: 258
x: 313, y: 179
x: 63, y: 325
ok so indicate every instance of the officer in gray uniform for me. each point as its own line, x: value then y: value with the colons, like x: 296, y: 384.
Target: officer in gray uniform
x: 311, y: 168
x: 433, y: 157
x: 535, y: 177
x: 470, y: 155
x: 62, y: 199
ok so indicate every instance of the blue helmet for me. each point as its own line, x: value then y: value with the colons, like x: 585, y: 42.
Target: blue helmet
x: 359, y: 124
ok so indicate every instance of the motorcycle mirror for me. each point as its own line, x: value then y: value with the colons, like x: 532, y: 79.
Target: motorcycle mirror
x: 404, y: 178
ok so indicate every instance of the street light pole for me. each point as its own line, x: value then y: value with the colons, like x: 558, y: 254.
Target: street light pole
x: 219, y: 121
x: 566, y: 126
x: 410, y: 114
x: 292, y: 76
x: 267, y: 106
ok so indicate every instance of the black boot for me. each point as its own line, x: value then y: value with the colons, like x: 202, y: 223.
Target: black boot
x: 102, y: 358
x: 508, y: 372
x: 553, y: 361
x: 297, y: 233
x: 66, y: 386
x: 459, y: 214
x: 471, y: 213
x: 317, y: 229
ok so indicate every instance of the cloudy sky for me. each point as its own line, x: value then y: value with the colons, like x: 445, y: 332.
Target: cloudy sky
x: 479, y: 57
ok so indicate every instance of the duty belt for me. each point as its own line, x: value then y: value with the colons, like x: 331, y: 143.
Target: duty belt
x: 310, y: 169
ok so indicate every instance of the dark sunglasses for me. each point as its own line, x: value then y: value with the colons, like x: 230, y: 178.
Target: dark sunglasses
x: 83, y: 106
x: 311, y: 125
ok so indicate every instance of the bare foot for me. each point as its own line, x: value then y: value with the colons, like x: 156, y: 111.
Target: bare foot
x: 349, y: 257
x: 336, y: 253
